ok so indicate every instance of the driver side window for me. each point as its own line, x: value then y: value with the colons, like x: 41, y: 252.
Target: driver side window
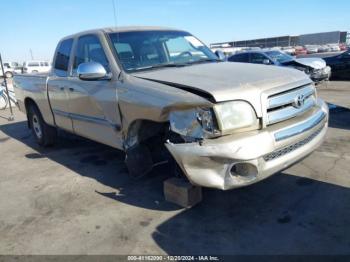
x: 89, y: 49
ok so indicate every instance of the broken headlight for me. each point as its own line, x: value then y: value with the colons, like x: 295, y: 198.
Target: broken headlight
x: 200, y: 123
x: 236, y: 115
x: 197, y: 123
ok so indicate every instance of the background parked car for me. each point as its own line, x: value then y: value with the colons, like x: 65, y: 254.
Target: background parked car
x: 9, y: 72
x: 30, y: 67
x: 323, y: 49
x: 334, y: 47
x: 315, y: 67
x: 311, y: 49
x: 17, y: 69
x: 343, y: 47
x: 289, y: 50
x: 340, y: 65
x: 299, y: 50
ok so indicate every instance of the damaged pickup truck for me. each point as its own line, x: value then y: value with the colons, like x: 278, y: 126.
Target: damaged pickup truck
x: 152, y: 91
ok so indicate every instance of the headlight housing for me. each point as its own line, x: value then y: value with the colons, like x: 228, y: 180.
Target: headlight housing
x: 197, y: 123
x: 223, y: 118
x: 236, y: 115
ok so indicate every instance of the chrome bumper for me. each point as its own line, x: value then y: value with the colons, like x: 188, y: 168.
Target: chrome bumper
x: 245, y: 158
x: 300, y: 127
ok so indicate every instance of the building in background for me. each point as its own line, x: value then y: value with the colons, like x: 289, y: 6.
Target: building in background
x: 335, y: 37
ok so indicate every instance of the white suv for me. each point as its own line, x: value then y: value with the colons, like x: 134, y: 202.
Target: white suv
x: 36, y: 67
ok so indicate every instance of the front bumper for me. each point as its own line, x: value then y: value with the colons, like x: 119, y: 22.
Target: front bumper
x: 245, y: 158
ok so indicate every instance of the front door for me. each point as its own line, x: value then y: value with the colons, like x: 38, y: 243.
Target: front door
x: 93, y: 105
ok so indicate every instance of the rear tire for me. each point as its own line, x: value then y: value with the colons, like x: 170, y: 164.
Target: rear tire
x: 3, y: 101
x: 44, y: 134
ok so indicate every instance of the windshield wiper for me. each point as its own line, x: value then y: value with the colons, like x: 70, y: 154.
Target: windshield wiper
x: 159, y: 66
x: 204, y: 61
x: 174, y: 64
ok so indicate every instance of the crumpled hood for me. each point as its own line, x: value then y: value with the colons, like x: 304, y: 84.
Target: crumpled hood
x: 228, y: 81
x: 314, y: 62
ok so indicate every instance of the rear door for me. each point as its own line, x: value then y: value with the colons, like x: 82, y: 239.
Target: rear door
x: 58, y: 86
x: 93, y: 105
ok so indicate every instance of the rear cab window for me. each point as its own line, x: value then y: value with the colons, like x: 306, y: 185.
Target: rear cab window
x: 62, y: 58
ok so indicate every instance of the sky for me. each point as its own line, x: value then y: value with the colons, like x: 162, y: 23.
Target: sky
x: 38, y: 25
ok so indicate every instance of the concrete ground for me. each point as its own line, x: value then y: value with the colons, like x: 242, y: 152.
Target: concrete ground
x: 77, y: 198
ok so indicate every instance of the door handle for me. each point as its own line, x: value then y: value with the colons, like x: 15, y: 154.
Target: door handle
x: 71, y: 89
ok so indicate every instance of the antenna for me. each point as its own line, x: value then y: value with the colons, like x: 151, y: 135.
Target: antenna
x: 31, y: 53
x: 114, y: 2
x: 115, y: 12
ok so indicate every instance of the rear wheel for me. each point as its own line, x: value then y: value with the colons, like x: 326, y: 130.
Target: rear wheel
x: 44, y: 134
x: 3, y: 101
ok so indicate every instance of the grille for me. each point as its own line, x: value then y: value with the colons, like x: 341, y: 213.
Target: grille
x: 281, y: 152
x: 286, y: 105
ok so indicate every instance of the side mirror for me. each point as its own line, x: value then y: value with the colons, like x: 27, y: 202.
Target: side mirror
x: 91, y: 71
x: 220, y: 55
x: 266, y: 62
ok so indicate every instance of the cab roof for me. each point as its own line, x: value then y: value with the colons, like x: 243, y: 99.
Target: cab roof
x: 121, y: 29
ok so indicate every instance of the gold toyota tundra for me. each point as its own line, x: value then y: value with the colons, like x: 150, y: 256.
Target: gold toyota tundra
x: 152, y: 91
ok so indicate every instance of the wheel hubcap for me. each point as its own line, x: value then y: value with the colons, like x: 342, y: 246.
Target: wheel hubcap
x: 37, y: 127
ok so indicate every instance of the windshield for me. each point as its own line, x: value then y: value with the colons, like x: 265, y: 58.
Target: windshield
x: 141, y: 50
x: 279, y: 57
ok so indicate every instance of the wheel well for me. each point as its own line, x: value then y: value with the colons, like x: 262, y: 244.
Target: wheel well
x: 142, y: 130
x: 144, y: 146
x: 27, y: 103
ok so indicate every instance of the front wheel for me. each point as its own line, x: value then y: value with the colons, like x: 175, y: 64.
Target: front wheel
x: 44, y: 134
x: 3, y: 101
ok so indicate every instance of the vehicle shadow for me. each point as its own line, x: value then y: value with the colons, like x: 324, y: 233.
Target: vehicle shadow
x: 339, y: 117
x: 100, y: 162
x: 284, y: 214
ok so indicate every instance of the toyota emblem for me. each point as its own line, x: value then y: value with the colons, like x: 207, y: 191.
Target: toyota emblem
x: 299, y: 101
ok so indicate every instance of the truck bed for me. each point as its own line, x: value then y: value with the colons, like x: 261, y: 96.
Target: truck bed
x: 33, y: 87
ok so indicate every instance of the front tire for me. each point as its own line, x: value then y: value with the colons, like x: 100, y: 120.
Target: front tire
x: 44, y: 134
